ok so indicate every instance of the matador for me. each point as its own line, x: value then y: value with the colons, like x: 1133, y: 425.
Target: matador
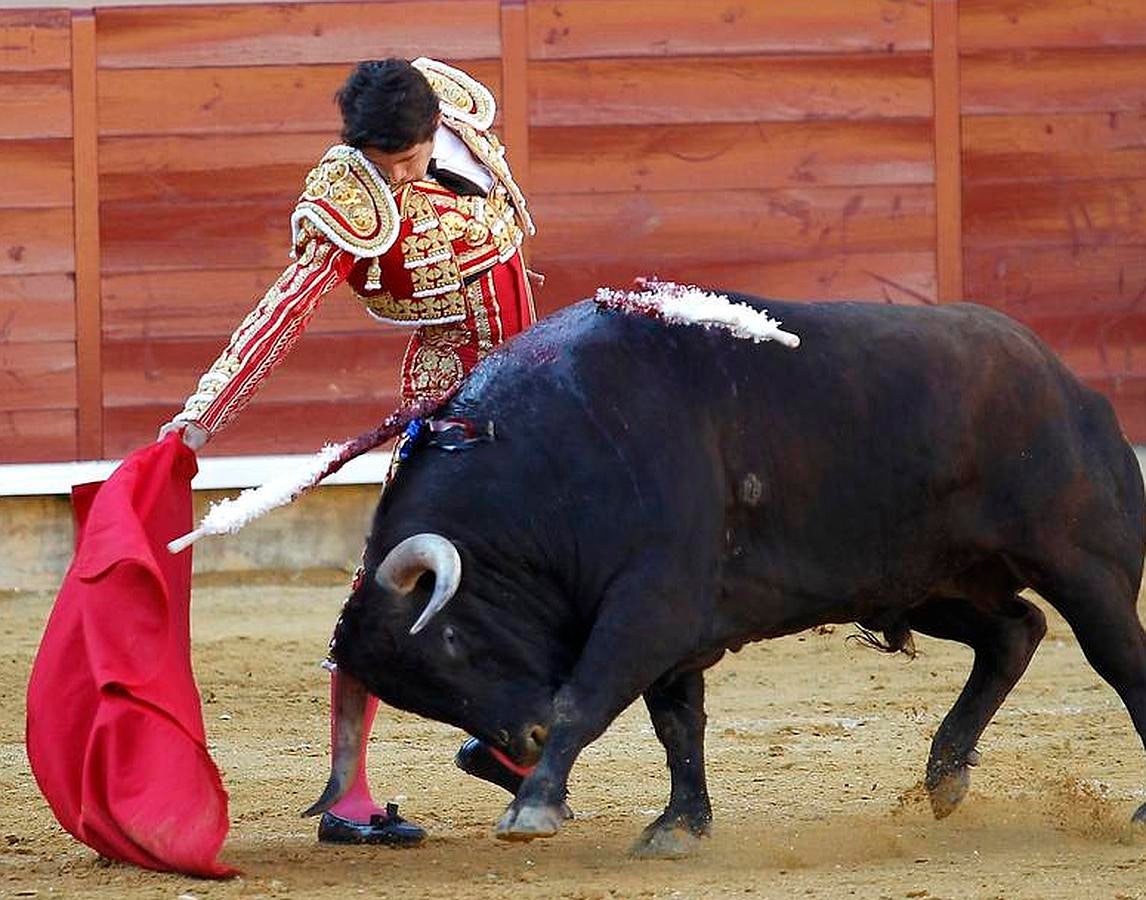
x: 418, y: 211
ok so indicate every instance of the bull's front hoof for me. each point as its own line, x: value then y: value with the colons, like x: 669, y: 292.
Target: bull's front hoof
x: 948, y: 790
x: 524, y: 823
x: 665, y: 843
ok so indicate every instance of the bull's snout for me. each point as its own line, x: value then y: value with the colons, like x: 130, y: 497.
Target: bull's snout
x: 531, y: 744
x: 523, y: 749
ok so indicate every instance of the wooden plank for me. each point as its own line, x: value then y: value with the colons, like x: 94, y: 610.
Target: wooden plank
x: 263, y: 428
x: 278, y: 34
x: 36, y: 241
x: 28, y: 436
x: 948, y: 148
x: 38, y: 375
x: 515, y: 89
x: 1071, y: 215
x: 1114, y: 340
x: 1054, y: 81
x: 759, y: 155
x: 994, y: 25
x: 36, y: 172
x: 140, y: 237
x: 177, y: 168
x: 35, y: 104
x: 180, y: 168
x: 738, y: 224
x: 89, y: 339
x: 203, y: 303
x: 34, y: 39
x: 37, y: 308
x: 1103, y: 350
x: 1057, y: 281
x: 322, y: 368
x: 733, y: 226
x: 737, y: 89
x: 1061, y: 147
x: 559, y: 29
x: 271, y: 99
x: 902, y: 278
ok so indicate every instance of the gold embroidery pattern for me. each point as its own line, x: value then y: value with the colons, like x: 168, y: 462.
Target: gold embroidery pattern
x: 417, y: 209
x: 347, y: 201
x: 436, y: 279
x: 434, y: 365
x: 462, y: 96
x: 453, y: 225
x: 424, y: 249
x: 474, y: 294
x: 450, y: 306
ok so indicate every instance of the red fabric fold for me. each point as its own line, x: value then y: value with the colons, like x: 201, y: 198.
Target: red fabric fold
x: 115, y: 729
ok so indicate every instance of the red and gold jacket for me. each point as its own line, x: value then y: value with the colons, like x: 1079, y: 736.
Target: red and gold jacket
x: 423, y: 256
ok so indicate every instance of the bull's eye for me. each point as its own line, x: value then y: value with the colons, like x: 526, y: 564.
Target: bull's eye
x: 450, y: 639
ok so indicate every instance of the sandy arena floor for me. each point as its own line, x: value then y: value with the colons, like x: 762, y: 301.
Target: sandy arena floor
x: 816, y: 750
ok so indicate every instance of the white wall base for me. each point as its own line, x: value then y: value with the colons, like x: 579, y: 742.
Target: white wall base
x: 215, y: 472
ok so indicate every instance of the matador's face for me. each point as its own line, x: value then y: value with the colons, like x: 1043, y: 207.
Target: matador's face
x: 402, y: 166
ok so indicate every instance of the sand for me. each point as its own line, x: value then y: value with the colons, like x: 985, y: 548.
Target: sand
x: 816, y: 751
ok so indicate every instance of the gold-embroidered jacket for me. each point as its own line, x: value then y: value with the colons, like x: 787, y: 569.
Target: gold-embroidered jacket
x: 421, y: 256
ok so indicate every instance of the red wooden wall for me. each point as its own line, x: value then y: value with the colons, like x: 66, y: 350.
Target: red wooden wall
x: 1054, y: 180
x: 38, y: 383
x: 899, y: 151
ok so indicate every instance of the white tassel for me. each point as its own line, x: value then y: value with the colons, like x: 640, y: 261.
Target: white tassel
x: 229, y: 515
x: 682, y: 304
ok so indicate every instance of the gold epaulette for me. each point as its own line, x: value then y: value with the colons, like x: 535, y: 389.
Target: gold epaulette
x: 346, y: 199
x: 468, y: 109
x: 462, y: 96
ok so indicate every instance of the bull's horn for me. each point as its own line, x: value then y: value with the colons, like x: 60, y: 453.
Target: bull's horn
x: 347, y: 712
x: 404, y: 565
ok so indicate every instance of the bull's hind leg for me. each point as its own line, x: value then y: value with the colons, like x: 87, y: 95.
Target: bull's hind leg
x: 1003, y: 630
x: 676, y: 707
x: 1099, y: 604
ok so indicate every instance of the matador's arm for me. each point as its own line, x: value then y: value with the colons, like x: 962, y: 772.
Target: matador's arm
x: 263, y: 340
x: 346, y: 213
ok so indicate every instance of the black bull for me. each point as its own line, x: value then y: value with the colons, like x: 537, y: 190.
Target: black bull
x: 658, y: 494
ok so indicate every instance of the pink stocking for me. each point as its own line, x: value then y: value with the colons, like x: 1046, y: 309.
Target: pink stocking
x: 356, y: 804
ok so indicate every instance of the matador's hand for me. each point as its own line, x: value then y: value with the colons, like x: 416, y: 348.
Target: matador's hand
x: 193, y: 436
x: 535, y: 278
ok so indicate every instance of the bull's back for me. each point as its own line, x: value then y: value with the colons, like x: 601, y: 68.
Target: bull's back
x: 889, y: 430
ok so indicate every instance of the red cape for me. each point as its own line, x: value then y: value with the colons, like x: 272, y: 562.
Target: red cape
x: 115, y: 730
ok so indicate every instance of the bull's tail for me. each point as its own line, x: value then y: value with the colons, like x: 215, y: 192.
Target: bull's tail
x: 896, y: 639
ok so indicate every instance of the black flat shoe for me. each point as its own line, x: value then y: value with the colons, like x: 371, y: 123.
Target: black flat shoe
x: 389, y: 829
x: 474, y: 758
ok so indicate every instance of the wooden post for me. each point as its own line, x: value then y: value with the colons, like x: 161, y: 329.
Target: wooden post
x: 85, y: 181
x: 948, y: 138
x: 515, y: 88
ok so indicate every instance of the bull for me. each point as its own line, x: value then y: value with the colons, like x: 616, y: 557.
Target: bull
x: 656, y: 495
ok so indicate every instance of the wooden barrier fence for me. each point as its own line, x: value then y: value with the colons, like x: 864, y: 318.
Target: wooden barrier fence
x: 896, y: 150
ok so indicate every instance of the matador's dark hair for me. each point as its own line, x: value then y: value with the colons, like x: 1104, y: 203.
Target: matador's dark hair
x: 387, y: 104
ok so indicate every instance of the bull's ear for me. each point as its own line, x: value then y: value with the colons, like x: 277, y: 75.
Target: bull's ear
x: 407, y: 562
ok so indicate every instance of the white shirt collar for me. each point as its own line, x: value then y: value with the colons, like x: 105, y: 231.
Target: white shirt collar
x: 451, y: 154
